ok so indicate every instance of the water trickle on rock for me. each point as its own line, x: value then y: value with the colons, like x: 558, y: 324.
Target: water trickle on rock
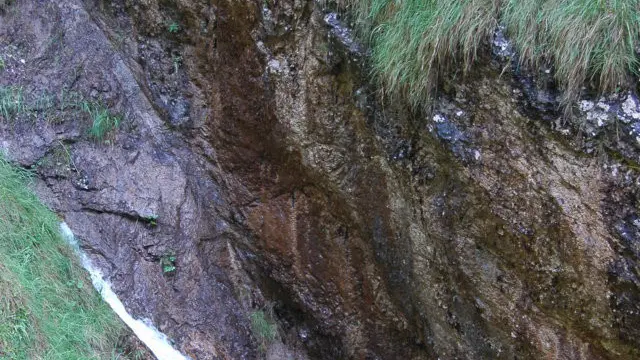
x: 156, y: 341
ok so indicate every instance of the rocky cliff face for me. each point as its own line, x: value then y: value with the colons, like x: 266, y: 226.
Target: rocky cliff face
x: 255, y: 152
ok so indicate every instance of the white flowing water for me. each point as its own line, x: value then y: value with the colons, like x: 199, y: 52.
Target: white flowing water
x: 156, y: 341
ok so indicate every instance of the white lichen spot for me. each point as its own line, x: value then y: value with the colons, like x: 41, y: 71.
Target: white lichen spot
x: 274, y: 66
x: 599, y: 117
x: 477, y: 155
x: 438, y: 118
x: 630, y: 108
x: 604, y: 106
x: 502, y: 45
x: 459, y: 113
x: 586, y: 105
x: 262, y: 48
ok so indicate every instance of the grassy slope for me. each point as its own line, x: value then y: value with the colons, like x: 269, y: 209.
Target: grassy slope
x: 415, y: 41
x: 48, y: 309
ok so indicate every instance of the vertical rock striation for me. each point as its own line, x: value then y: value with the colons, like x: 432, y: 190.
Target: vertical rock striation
x: 279, y: 178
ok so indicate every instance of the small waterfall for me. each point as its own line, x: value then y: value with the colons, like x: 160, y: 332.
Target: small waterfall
x: 156, y: 341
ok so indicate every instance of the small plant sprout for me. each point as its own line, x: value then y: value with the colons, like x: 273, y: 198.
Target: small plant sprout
x: 177, y: 61
x: 152, y: 220
x: 173, y: 27
x: 168, y: 263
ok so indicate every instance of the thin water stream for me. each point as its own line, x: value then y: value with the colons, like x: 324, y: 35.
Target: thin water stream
x: 156, y: 341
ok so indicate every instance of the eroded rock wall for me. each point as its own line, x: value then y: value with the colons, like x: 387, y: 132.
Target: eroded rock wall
x: 279, y: 177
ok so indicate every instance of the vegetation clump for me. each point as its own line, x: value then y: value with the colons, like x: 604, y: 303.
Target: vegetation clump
x: 173, y: 27
x: 47, y: 310
x: 103, y: 122
x: 414, y: 42
x: 11, y: 101
x: 152, y: 220
x: 263, y: 328
x: 15, y: 104
x: 168, y: 263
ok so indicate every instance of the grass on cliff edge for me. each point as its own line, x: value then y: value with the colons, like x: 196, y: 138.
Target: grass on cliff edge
x: 48, y: 308
x: 416, y: 41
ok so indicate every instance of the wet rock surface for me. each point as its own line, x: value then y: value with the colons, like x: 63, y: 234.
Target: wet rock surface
x: 253, y: 150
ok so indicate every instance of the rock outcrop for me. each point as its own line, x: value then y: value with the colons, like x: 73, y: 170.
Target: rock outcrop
x: 254, y: 150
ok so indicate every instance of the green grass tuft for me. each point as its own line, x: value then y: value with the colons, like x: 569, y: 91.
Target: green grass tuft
x: 48, y: 309
x: 11, y: 102
x: 263, y: 328
x: 103, y: 122
x: 587, y: 40
x: 414, y: 42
